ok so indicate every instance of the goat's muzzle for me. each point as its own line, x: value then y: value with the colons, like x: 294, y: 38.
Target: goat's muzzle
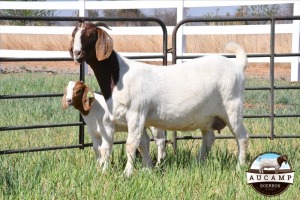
x: 69, y: 102
x: 78, y: 56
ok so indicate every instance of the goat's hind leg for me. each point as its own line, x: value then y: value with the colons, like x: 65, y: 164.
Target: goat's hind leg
x: 160, y: 141
x: 242, y: 138
x: 236, y: 126
x: 208, y: 140
x: 144, y: 149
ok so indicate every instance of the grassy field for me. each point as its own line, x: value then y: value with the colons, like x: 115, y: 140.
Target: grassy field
x: 72, y: 174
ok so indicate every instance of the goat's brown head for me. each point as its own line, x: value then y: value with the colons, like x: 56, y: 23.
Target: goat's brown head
x: 89, y: 41
x: 282, y: 159
x: 79, y: 95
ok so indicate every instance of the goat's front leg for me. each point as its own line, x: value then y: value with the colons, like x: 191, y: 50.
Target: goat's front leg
x: 102, y: 143
x: 136, y: 125
x: 105, y: 151
x: 97, y: 141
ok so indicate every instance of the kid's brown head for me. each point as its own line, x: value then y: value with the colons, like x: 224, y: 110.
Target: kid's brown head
x: 79, y: 95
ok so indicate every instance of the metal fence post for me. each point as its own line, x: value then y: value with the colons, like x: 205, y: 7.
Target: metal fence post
x: 272, y: 51
x: 81, y: 126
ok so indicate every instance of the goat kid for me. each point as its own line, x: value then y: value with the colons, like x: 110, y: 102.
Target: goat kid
x: 94, y: 111
x: 205, y: 93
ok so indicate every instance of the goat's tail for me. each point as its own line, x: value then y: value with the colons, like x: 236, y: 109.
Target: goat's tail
x: 239, y: 52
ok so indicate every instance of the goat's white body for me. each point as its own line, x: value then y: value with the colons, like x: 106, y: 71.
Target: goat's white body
x: 179, y: 97
x: 268, y: 163
x: 102, y: 129
x: 185, y: 96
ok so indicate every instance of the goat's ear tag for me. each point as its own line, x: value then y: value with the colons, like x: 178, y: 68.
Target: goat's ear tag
x: 90, y: 94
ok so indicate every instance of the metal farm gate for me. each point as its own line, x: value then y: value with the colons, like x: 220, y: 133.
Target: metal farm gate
x: 81, y: 142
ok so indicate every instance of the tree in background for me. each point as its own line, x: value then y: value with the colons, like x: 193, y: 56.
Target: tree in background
x: 254, y: 11
x: 90, y: 13
x: 215, y: 15
x: 258, y: 11
x: 124, y: 13
x: 28, y: 13
x: 168, y: 16
x: 93, y: 13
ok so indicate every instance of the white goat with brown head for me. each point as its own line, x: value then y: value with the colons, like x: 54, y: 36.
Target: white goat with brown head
x: 93, y: 109
x: 205, y: 93
x: 272, y: 163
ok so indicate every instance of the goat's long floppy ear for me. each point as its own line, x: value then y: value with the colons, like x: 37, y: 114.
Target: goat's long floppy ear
x: 63, y: 101
x: 87, y: 98
x: 104, y: 45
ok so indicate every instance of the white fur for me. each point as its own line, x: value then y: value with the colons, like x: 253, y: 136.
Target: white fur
x: 77, y: 45
x: 101, y: 130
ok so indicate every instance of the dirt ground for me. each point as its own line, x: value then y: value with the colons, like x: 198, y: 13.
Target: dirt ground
x: 282, y: 71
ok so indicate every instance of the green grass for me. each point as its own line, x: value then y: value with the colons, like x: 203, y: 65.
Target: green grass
x: 72, y: 173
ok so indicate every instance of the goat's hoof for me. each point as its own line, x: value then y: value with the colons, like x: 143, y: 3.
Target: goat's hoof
x: 127, y: 175
x: 128, y: 171
x: 158, y: 164
x: 146, y: 170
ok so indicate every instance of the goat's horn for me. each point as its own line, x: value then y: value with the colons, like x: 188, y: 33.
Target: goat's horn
x: 101, y: 24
